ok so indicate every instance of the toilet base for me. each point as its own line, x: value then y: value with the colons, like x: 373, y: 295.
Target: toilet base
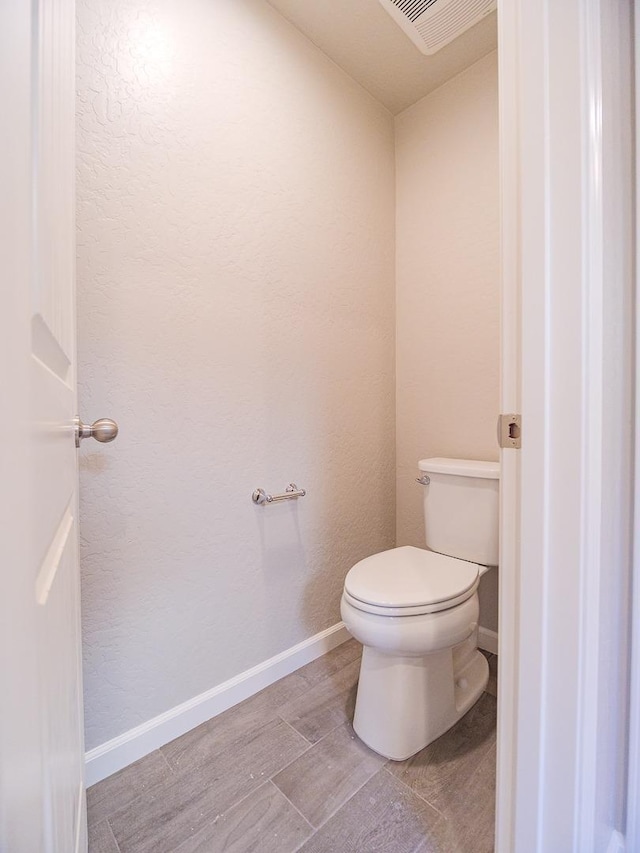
x: 405, y: 703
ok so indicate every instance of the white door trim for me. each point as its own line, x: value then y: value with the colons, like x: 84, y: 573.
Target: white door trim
x: 510, y: 402
x: 633, y: 782
x: 556, y: 285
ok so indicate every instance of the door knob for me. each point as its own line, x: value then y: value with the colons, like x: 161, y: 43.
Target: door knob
x: 102, y: 430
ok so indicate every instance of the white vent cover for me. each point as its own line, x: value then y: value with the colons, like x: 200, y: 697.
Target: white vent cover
x: 430, y: 24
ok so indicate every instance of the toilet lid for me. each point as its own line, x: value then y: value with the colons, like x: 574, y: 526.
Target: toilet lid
x: 412, y: 577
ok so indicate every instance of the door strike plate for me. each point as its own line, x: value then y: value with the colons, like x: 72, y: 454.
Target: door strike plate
x: 510, y: 431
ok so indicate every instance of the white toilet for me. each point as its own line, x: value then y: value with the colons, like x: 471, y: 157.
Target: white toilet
x: 416, y: 613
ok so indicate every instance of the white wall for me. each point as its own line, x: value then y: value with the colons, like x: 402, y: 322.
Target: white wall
x: 236, y: 316
x: 447, y: 238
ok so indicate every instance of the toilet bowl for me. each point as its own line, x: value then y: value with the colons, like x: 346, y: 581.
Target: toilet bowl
x: 420, y: 668
x: 415, y: 611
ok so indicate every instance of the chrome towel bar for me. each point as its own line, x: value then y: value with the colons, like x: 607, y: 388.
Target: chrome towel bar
x: 290, y: 493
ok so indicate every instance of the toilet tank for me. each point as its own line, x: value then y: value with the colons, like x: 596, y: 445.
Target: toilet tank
x: 461, y: 508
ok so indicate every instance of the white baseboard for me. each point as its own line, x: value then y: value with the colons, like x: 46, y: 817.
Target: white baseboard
x: 123, y: 750
x: 488, y: 640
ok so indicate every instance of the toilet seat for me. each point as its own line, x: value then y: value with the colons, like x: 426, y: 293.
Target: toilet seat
x: 410, y: 581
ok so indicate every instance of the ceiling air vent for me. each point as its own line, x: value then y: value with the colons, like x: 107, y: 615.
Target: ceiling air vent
x: 430, y: 24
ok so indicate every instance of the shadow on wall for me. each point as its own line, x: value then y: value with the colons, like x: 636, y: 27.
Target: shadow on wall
x: 283, y: 550
x: 280, y: 538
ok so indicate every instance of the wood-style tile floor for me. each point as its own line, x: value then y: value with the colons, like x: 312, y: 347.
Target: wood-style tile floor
x: 284, y: 771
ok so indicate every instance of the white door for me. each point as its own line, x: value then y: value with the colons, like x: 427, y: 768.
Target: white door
x: 41, y: 785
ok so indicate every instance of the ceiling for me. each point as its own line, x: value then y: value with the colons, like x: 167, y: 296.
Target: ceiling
x: 365, y: 42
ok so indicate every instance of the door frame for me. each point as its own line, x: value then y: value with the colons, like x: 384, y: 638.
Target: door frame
x: 633, y: 783
x: 557, y: 263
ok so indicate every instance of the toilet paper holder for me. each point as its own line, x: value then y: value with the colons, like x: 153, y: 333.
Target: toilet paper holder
x: 292, y: 492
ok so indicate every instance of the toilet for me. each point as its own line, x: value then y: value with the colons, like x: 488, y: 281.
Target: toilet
x: 415, y: 611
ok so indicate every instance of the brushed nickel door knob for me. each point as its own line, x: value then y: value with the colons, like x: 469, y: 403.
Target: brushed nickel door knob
x: 102, y: 430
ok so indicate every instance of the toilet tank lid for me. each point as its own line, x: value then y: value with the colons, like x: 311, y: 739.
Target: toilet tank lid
x: 461, y: 467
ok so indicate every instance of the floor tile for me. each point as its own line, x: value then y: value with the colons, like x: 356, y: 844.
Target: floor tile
x: 283, y: 690
x: 322, y: 779
x: 101, y: 838
x: 216, y: 735
x: 442, y: 767
x: 468, y: 804
x: 264, y: 822
x: 209, y: 790
x: 112, y: 794
x: 325, y: 706
x: 335, y: 660
x: 204, y: 788
x: 383, y: 817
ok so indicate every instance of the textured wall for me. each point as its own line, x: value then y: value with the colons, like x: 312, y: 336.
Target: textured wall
x: 447, y: 239
x: 236, y: 316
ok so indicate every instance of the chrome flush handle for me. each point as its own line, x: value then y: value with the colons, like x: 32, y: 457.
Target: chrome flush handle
x: 102, y: 430
x: 424, y: 480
